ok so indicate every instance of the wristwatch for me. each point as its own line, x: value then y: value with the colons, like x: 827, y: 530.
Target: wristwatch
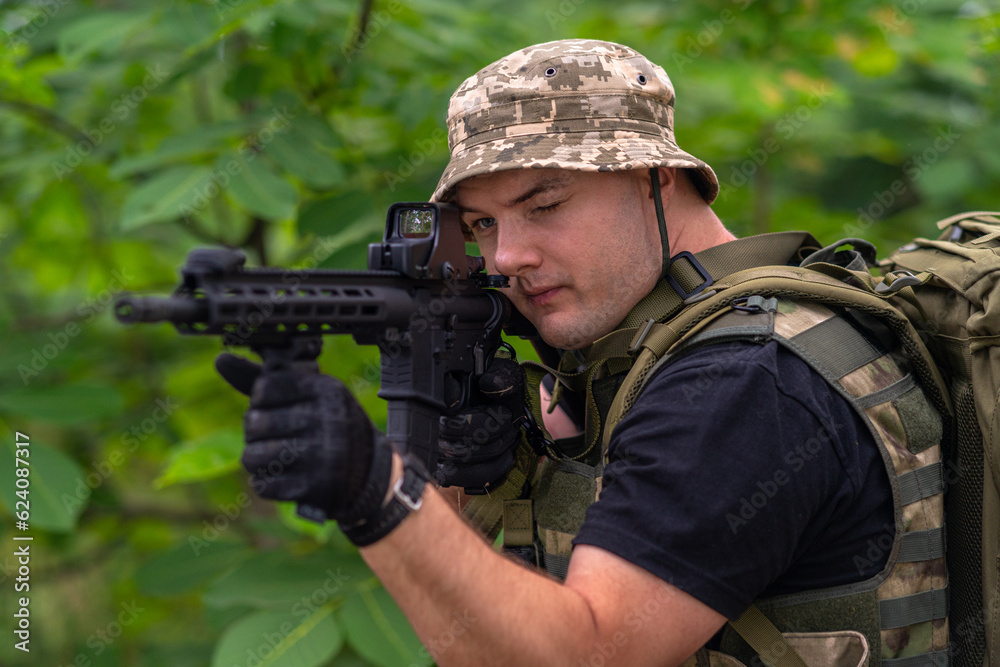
x: 407, y: 496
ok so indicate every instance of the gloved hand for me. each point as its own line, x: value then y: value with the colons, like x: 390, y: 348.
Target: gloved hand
x: 309, y: 441
x: 477, y: 445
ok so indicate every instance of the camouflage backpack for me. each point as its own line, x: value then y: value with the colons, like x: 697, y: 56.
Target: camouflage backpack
x: 951, y: 294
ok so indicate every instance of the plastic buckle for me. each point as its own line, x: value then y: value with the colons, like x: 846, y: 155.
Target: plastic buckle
x: 637, y: 341
x: 411, y: 477
x: 754, y: 304
x: 901, y: 279
x: 706, y: 277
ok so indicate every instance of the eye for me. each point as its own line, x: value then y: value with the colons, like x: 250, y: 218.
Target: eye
x: 548, y: 208
x: 483, y: 223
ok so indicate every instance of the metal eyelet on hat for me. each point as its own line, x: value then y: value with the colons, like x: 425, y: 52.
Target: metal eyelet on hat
x: 550, y: 71
x: 641, y: 79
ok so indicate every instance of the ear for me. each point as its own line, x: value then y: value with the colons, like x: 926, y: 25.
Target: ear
x: 668, y: 182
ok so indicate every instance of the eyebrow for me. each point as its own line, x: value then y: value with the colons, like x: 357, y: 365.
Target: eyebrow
x: 544, y: 185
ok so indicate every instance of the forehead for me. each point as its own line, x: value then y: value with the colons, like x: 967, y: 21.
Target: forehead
x: 510, y: 184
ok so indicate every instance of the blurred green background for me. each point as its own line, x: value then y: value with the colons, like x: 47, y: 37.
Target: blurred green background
x: 120, y: 125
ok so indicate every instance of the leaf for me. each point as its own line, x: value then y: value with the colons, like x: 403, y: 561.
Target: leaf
x: 67, y: 405
x: 378, y: 631
x: 877, y: 59
x: 187, y: 566
x: 326, y: 216
x: 102, y: 32
x: 168, y: 195
x: 296, y: 153
x: 277, y: 578
x: 941, y: 178
x: 203, y: 458
x: 258, y: 189
x: 280, y: 639
x: 317, y: 129
x: 175, y: 148
x: 55, y: 497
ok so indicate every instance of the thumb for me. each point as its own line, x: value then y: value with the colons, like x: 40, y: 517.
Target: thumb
x: 503, y: 380
x: 239, y: 372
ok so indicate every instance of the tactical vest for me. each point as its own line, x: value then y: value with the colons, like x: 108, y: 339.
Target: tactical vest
x: 865, y: 349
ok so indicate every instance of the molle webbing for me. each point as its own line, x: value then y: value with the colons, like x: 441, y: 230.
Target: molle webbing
x: 912, y: 591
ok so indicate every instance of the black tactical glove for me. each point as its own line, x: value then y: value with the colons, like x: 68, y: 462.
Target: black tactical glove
x: 309, y: 441
x: 477, y: 445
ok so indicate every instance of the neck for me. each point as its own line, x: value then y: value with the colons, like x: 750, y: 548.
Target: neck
x: 701, y: 229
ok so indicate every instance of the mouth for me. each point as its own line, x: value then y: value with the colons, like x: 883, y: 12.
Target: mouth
x: 542, y: 296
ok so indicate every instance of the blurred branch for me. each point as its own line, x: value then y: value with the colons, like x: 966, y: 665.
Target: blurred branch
x: 255, y: 239
x: 363, y: 18
x: 46, y: 118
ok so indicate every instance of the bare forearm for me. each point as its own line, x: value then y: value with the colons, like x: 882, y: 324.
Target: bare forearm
x: 451, y: 584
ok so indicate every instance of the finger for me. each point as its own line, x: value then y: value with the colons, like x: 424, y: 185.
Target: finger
x: 281, y: 388
x: 279, y: 423
x: 240, y: 373
x: 279, y: 487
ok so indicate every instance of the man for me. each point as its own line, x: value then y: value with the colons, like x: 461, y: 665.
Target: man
x: 739, y: 473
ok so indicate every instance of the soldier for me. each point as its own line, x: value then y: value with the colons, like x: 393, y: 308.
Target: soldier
x: 758, y: 465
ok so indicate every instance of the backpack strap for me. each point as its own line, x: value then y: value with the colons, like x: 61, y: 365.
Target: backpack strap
x: 765, y: 638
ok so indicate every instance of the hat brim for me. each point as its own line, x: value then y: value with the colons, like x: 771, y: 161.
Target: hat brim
x: 597, y: 151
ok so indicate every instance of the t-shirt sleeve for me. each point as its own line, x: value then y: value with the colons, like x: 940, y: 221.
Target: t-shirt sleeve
x: 731, y: 468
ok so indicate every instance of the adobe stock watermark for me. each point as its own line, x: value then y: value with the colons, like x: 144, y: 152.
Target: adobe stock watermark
x: 709, y: 34
x: 637, y: 618
x: 276, y: 643
x: 219, y: 179
x: 130, y: 441
x: 878, y: 548
x: 334, y: 584
x: 102, y: 638
x: 724, y: 358
x: 436, y: 647
x: 901, y: 13
x: 377, y: 21
x: 60, y: 340
x: 423, y: 148
x: 47, y: 11
x: 230, y: 512
x: 223, y: 7
x: 563, y: 11
x: 913, y: 170
x: 756, y: 501
x: 121, y: 109
x: 220, y: 523
x: 786, y: 128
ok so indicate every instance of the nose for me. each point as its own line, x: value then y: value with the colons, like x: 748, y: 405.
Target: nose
x: 517, y: 250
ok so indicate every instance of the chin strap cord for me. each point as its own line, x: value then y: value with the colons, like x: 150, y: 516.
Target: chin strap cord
x: 654, y: 176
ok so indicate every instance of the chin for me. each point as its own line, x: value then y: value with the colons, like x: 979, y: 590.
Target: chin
x: 564, y: 340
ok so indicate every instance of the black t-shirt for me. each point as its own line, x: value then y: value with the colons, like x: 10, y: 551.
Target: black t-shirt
x: 739, y: 474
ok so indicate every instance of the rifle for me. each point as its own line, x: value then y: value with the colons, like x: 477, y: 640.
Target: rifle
x: 430, y: 308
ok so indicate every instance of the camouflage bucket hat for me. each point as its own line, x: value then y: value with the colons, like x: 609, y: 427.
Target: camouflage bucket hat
x: 571, y: 104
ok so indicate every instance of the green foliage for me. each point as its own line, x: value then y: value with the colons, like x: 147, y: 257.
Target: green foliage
x: 133, y: 132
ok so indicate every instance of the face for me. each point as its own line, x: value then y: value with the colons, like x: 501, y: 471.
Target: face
x: 580, y: 248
